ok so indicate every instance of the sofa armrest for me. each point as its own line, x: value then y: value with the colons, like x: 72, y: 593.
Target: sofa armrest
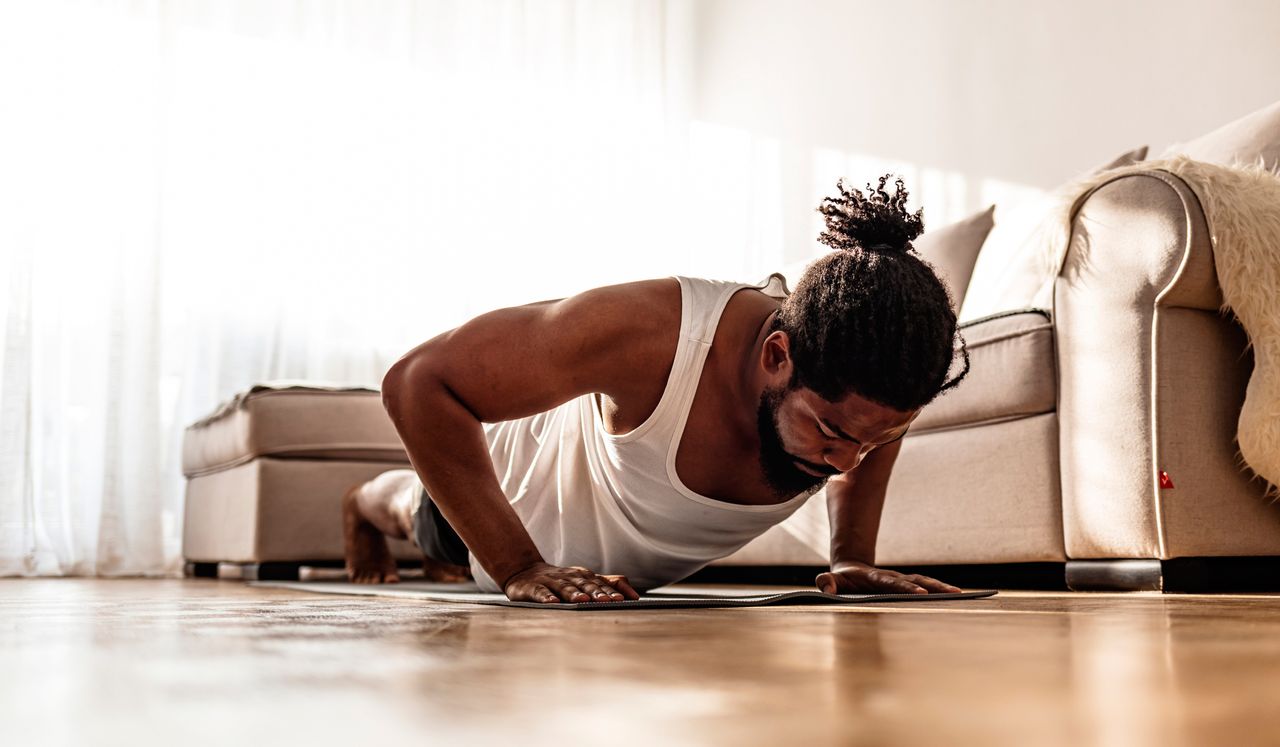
x: 1150, y: 374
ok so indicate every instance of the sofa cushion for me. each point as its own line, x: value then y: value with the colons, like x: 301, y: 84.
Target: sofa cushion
x: 953, y: 249
x: 1012, y: 374
x: 1011, y: 271
x: 1252, y: 139
x: 291, y: 419
x: 981, y: 495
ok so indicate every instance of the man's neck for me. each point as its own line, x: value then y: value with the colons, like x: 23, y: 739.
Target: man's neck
x: 749, y: 382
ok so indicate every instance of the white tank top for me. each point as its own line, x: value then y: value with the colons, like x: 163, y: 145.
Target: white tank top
x: 614, y: 504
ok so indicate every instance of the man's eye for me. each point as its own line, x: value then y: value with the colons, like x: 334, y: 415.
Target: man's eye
x: 823, y: 431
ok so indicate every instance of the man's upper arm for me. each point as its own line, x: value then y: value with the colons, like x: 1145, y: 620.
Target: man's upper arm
x: 523, y: 360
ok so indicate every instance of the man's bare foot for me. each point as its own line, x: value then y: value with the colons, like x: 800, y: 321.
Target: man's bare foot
x: 368, y: 559
x: 448, y: 573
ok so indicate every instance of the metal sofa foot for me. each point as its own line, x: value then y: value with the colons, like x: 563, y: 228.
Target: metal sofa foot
x: 1139, y: 574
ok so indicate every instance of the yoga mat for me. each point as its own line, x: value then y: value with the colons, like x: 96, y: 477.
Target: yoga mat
x: 666, y: 598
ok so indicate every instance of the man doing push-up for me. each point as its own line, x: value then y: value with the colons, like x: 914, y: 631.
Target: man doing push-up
x: 620, y: 439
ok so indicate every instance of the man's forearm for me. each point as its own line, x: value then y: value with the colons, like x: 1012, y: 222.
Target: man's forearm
x: 854, y: 525
x: 855, y: 502
x: 447, y: 448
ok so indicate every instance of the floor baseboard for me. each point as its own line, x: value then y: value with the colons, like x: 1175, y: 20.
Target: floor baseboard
x: 1033, y: 576
x: 1201, y: 575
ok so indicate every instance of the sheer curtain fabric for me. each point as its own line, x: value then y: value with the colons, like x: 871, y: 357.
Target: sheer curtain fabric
x: 198, y: 195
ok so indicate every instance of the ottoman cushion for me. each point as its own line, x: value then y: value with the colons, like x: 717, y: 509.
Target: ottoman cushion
x: 290, y: 419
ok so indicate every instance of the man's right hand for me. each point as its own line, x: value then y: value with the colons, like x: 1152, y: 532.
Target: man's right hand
x: 543, y: 582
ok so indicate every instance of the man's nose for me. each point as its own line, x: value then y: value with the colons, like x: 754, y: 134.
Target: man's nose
x: 846, y: 456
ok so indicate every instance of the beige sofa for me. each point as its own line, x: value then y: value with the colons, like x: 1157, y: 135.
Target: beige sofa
x: 1097, y: 434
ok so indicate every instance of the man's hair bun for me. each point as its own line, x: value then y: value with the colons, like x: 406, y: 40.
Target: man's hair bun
x: 877, y: 222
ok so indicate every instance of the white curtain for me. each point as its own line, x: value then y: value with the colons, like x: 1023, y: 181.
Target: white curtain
x: 195, y: 196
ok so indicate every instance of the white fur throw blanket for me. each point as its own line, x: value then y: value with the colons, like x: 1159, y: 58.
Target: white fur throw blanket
x: 1242, y: 209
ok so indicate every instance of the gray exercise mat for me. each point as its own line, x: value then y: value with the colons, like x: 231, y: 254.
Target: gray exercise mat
x: 666, y: 597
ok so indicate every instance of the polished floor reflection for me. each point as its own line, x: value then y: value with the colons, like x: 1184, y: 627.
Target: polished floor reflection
x: 183, y: 662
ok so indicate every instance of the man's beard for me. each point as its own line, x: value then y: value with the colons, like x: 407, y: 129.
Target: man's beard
x: 780, y: 469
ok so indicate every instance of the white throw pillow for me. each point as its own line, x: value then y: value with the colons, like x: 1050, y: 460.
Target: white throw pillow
x: 950, y: 250
x: 1252, y: 139
x: 953, y: 249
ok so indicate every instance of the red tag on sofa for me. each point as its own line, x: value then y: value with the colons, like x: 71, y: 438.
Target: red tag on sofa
x: 1165, y: 482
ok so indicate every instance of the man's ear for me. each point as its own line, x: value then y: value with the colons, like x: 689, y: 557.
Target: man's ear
x: 775, y: 355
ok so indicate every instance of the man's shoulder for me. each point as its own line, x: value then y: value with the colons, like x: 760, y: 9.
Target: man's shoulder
x: 655, y: 291
x: 627, y: 334
x: 633, y: 308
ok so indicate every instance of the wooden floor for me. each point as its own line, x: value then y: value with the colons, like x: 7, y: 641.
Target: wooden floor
x: 183, y: 662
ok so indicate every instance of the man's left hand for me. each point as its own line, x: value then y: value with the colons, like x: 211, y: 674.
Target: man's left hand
x: 861, y: 578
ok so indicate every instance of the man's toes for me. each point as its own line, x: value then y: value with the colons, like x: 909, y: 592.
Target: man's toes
x: 373, y: 577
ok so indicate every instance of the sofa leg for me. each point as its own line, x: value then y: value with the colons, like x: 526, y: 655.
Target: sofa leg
x: 258, y: 571
x: 1138, y: 574
x: 270, y: 571
x: 192, y: 569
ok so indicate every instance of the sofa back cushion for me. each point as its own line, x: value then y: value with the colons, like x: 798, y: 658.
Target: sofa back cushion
x: 1252, y: 139
x: 953, y: 249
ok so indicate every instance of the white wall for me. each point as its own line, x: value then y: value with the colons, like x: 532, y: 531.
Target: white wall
x: 976, y: 102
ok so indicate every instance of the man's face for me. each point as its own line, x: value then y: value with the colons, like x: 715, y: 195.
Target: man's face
x: 805, y: 440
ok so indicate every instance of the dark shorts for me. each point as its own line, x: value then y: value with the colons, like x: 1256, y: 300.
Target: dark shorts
x: 436, y: 538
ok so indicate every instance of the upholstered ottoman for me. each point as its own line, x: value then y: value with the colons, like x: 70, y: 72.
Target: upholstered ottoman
x: 266, y: 473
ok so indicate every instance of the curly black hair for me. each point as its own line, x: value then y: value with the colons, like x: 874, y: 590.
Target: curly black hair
x: 872, y: 318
